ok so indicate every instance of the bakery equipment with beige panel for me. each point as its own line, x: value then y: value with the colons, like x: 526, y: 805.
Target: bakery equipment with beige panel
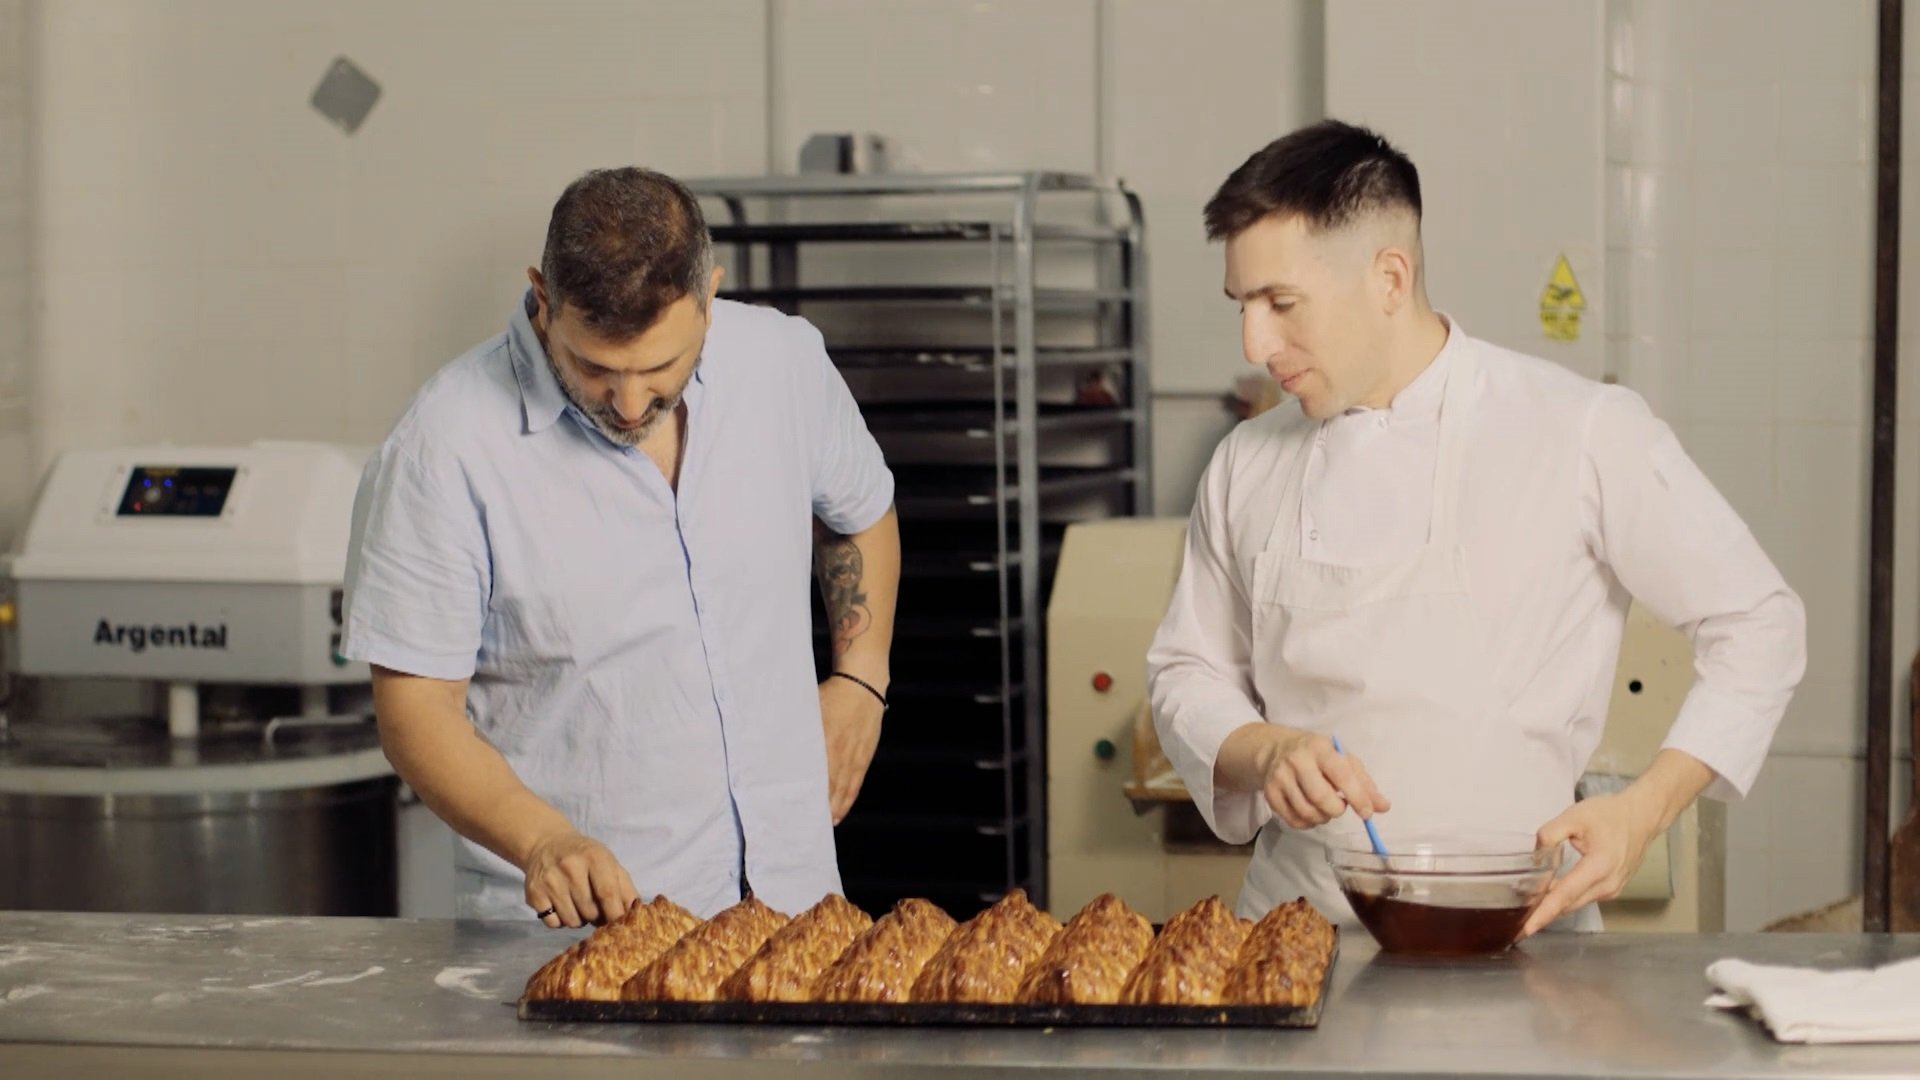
x: 1119, y: 818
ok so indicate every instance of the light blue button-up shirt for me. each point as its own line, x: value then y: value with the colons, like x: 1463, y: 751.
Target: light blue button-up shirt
x: 643, y: 660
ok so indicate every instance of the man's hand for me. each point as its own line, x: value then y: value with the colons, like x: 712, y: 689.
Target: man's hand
x: 1308, y: 783
x: 1611, y: 832
x: 579, y: 879
x: 427, y: 735
x: 851, y: 717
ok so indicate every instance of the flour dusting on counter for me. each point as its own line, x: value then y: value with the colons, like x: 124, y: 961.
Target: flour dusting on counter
x: 460, y: 980
x: 336, y: 980
x: 295, y: 980
x: 20, y: 954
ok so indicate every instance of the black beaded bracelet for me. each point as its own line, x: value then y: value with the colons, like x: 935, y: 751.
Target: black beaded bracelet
x: 864, y: 684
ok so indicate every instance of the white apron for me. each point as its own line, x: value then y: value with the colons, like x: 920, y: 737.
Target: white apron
x: 1393, y: 659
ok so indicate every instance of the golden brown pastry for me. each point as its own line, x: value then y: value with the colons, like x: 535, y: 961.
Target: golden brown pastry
x: 552, y: 978
x: 984, y: 959
x: 593, y: 968
x: 696, y: 965
x: 1295, y: 921
x: 882, y: 964
x: 1189, y: 962
x: 788, y: 965
x: 1274, y: 979
x: 1284, y: 959
x: 1088, y: 963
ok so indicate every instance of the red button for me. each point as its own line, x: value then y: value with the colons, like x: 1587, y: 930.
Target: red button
x: 1102, y: 681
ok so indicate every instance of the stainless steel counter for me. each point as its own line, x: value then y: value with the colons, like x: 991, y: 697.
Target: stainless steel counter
x: 219, y: 996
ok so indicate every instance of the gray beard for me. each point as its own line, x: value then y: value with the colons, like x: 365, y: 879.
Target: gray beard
x: 605, y: 419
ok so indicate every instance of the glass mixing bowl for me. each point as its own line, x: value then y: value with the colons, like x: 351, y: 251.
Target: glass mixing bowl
x: 1444, y: 893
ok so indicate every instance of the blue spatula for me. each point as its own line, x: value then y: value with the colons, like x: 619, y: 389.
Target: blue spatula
x: 1373, y: 835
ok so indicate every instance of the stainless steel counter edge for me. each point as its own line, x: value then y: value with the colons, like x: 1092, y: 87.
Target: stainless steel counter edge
x: 211, y: 995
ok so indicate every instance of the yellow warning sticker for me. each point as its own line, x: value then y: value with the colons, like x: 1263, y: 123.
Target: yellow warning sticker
x: 1561, y: 303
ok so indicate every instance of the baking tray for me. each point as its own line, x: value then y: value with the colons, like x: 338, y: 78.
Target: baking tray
x: 967, y: 493
x: 1076, y: 438
x: 1059, y: 385
x: 938, y: 1015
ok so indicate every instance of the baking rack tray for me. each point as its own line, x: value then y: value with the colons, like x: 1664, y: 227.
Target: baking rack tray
x: 937, y: 1015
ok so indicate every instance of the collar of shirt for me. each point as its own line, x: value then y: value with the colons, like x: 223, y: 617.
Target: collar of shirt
x: 1420, y: 399
x: 542, y: 401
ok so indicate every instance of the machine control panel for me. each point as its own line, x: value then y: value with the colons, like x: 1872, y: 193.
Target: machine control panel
x: 176, y: 491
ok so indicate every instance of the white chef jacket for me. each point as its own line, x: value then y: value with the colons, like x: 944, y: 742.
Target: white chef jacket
x: 1573, y: 500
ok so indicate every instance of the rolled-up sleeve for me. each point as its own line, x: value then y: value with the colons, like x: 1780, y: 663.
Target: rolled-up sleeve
x: 852, y: 486
x: 1682, y: 551
x: 418, y: 574
x: 1199, y: 669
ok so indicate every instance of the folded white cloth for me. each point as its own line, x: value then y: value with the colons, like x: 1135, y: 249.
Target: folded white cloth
x: 1806, y: 1005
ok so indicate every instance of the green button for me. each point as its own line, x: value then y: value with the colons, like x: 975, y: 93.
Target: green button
x: 1104, y: 750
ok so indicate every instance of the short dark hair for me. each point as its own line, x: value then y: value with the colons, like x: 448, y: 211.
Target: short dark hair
x: 1328, y: 173
x: 622, y: 246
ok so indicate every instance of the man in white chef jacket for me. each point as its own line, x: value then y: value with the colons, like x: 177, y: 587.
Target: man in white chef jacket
x: 1432, y: 559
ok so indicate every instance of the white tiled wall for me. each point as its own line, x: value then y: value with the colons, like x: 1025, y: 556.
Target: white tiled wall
x: 1761, y: 214
x: 957, y: 87
x: 1190, y: 91
x: 16, y: 475
x: 219, y: 263
x: 1499, y: 103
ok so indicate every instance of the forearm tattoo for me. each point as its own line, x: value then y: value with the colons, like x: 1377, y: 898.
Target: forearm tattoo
x: 837, y: 563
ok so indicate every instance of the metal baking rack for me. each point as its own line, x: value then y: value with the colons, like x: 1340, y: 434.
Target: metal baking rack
x: 992, y: 327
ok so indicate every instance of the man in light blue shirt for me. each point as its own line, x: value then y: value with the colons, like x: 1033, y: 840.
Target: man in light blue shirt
x: 580, y: 571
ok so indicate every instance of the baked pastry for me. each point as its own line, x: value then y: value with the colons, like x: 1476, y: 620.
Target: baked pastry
x: 1292, y: 925
x: 1088, y: 963
x: 882, y: 964
x: 593, y: 968
x: 1284, y: 959
x: 788, y: 965
x: 1012, y: 951
x: 984, y: 960
x: 1189, y: 962
x: 696, y: 965
x: 1273, y: 979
